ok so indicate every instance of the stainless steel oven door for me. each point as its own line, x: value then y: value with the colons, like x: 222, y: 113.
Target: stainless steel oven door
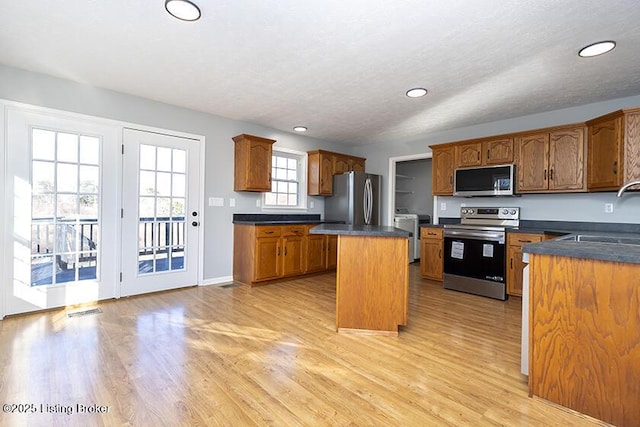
x: 474, y: 262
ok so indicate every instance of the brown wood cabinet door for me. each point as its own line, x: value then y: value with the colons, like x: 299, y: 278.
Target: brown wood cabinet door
x: 252, y: 163
x: 267, y: 263
x: 515, y: 265
x: 566, y: 160
x: 442, y: 171
x: 341, y: 164
x: 468, y: 155
x: 326, y: 174
x: 514, y: 271
x: 316, y: 257
x: 632, y: 147
x: 431, y: 263
x: 356, y: 164
x: 332, y: 251
x: 605, y: 155
x: 532, y: 162
x: 292, y: 256
x: 498, y: 152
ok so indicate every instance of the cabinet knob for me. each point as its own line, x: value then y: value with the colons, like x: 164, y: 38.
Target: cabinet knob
x: 615, y: 167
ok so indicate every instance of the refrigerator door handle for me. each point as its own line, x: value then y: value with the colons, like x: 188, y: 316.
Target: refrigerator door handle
x: 367, y: 201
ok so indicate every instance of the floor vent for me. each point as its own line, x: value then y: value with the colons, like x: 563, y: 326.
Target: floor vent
x: 230, y: 285
x: 86, y: 312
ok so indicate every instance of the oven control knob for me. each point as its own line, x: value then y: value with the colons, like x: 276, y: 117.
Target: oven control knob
x: 505, y: 211
x: 512, y: 211
x: 464, y: 211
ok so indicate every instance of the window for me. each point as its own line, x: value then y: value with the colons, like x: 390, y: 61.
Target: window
x: 65, y: 171
x: 287, y: 181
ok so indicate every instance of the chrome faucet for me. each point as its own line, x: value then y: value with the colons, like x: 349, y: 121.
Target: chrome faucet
x: 627, y: 185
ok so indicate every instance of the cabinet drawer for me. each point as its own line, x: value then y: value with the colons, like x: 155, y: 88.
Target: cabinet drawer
x: 430, y: 233
x: 520, y: 239
x: 293, y: 230
x: 268, y: 231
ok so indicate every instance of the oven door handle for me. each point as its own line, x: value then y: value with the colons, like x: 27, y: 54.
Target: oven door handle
x: 496, y: 236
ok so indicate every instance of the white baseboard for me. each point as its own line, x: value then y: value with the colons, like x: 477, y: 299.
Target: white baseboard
x: 217, y: 281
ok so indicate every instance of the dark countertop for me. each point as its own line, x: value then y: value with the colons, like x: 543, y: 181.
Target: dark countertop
x: 279, y: 219
x: 279, y: 222
x: 610, y: 251
x: 360, y: 230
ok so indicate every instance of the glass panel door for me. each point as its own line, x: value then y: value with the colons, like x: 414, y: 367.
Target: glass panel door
x: 161, y: 212
x: 63, y: 198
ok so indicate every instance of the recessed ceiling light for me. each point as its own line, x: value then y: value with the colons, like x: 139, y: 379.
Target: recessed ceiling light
x: 416, y: 92
x: 300, y: 128
x: 596, y: 49
x: 182, y: 9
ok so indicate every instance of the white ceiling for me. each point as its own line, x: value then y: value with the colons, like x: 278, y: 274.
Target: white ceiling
x: 340, y: 67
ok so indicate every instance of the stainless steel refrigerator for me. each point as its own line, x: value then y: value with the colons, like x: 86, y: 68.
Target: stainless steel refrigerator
x: 355, y: 199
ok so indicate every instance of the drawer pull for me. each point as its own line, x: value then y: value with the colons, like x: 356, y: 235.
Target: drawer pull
x: 524, y: 241
x: 268, y: 232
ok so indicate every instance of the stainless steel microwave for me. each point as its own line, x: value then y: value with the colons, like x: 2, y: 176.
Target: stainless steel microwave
x: 484, y: 181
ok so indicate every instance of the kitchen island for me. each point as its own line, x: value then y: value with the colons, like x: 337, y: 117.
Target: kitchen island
x: 584, y: 324
x: 372, y: 278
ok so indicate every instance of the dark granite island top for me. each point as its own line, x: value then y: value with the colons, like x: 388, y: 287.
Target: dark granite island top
x: 360, y: 230
x: 616, y: 247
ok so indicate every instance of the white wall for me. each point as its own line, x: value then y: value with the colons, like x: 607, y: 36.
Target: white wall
x: 575, y: 207
x: 38, y: 89
x: 42, y: 90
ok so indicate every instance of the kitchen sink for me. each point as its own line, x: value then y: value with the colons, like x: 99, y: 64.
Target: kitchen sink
x: 594, y: 238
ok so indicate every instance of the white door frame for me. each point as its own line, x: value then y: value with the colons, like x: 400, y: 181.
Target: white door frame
x: 392, y: 181
x: 3, y: 212
x: 4, y: 232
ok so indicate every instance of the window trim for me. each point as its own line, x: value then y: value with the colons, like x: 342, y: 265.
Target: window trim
x: 302, y: 182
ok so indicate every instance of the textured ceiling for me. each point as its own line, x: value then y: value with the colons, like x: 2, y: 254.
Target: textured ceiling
x: 340, y: 67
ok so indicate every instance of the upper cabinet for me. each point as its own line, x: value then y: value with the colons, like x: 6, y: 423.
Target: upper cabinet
x: 484, y: 152
x: 252, y: 163
x: 498, y: 151
x: 614, y: 150
x: 442, y: 166
x: 322, y: 165
x: 551, y: 160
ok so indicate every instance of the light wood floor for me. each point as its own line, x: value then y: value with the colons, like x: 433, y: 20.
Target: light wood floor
x: 270, y: 356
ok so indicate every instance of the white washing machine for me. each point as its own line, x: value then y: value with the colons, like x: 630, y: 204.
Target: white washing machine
x: 408, y: 221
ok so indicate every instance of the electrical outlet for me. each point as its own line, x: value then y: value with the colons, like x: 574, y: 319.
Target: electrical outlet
x: 608, y: 208
x: 443, y: 206
x: 258, y: 203
x: 232, y: 202
x: 311, y: 204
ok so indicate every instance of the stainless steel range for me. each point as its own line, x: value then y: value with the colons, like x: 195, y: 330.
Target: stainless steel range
x: 474, y: 250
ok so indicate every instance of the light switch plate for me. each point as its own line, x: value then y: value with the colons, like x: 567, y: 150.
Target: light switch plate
x: 216, y: 201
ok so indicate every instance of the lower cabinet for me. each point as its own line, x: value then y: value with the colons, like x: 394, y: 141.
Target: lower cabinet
x: 332, y: 251
x: 515, y: 242
x: 316, y: 252
x: 263, y: 253
x: 431, y: 247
